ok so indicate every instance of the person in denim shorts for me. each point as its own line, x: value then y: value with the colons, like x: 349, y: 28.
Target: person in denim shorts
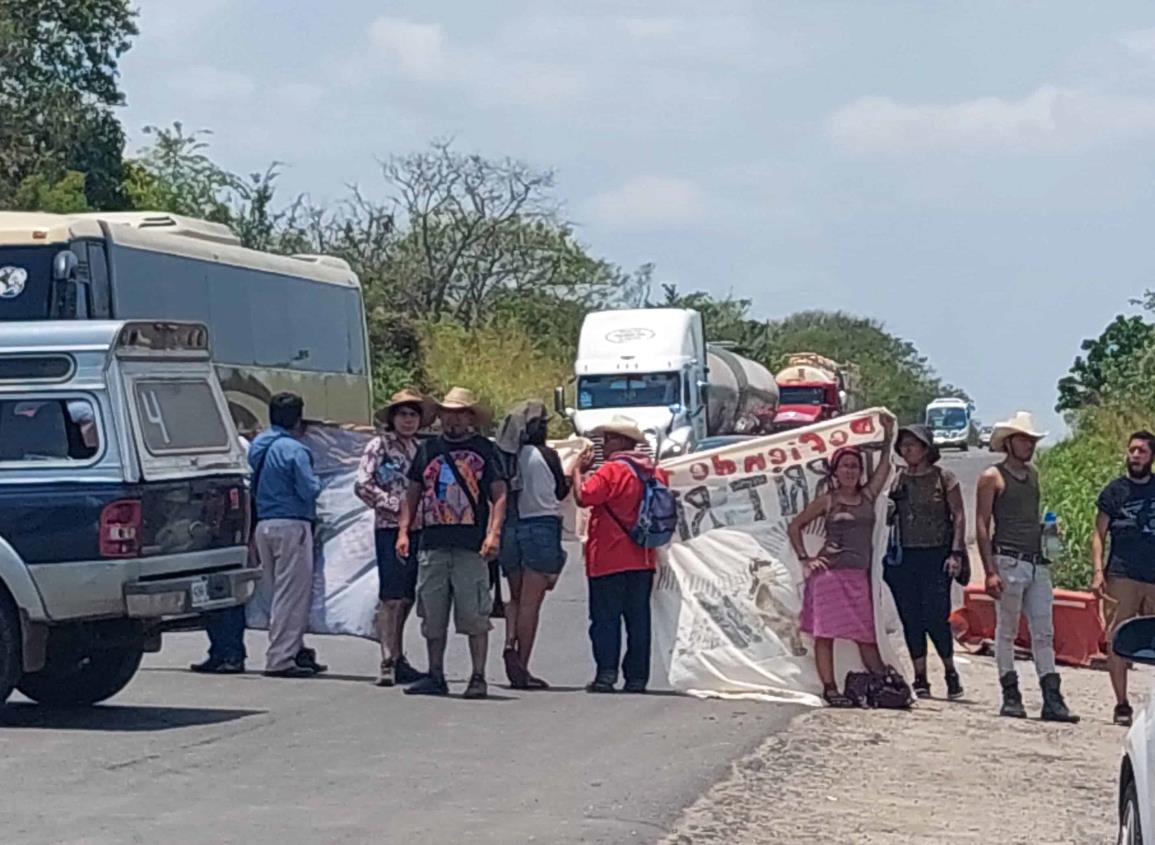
x: 531, y: 552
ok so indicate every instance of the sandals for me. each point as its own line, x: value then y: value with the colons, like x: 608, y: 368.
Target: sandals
x: 836, y: 699
x: 517, y: 674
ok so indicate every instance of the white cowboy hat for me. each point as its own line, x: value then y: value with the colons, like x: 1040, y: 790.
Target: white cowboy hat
x: 462, y: 399
x: 1022, y: 423
x: 622, y: 426
x: 426, y: 406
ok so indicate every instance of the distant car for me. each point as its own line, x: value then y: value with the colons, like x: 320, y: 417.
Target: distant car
x: 985, y: 436
x: 1135, y: 641
x: 719, y: 442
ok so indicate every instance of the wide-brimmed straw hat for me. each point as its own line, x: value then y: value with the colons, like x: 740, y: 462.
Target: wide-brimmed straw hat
x: 425, y: 406
x: 922, y: 434
x: 622, y: 426
x: 462, y: 399
x: 1021, y: 423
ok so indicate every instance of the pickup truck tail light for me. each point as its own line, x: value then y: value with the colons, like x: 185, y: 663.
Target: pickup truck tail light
x: 120, y: 524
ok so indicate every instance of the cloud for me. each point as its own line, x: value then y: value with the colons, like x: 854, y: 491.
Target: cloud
x: 649, y: 202
x: 1139, y: 41
x: 418, y: 50
x: 497, y: 73
x: 647, y: 28
x: 1050, y: 119
x: 213, y: 84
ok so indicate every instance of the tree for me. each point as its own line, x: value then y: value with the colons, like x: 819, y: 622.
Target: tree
x: 57, y: 90
x: 893, y: 373
x: 1111, y: 361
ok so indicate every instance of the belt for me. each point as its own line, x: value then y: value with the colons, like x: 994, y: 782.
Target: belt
x: 1036, y: 559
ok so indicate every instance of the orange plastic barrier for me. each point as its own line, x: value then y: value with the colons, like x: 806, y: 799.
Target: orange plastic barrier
x: 1080, y: 637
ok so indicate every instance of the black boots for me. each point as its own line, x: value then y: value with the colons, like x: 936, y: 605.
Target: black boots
x: 1012, y: 698
x: 1054, y: 708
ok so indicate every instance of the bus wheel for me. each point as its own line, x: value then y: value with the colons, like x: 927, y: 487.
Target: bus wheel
x: 11, y: 657
x: 80, y: 679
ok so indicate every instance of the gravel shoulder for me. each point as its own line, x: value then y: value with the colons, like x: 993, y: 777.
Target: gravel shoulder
x: 943, y: 773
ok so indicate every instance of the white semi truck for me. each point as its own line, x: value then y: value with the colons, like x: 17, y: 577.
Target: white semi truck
x: 654, y: 365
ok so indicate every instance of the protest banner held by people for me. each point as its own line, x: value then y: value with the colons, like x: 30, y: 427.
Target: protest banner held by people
x: 836, y: 599
x: 1126, y: 512
x: 1018, y: 576
x: 457, y: 490
x: 620, y: 571
x: 285, y: 490
x: 382, y: 479
x: 927, y: 553
x: 531, y: 551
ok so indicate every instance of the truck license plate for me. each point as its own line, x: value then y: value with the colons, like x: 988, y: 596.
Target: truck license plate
x: 199, y: 592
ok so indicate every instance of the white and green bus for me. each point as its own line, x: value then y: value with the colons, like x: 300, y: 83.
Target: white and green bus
x: 275, y: 322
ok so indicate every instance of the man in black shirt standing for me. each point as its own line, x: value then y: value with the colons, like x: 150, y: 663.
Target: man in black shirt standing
x: 457, y: 494
x: 1127, y: 584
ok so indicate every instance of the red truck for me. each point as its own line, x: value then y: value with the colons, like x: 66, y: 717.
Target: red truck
x: 812, y: 388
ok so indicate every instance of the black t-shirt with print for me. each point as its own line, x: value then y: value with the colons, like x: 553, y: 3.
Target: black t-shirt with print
x: 1130, y: 507
x: 448, y: 517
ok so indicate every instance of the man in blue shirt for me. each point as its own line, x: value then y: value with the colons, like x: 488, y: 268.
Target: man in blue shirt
x: 285, y: 490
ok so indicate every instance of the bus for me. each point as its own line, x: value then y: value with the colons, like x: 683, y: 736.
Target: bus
x: 276, y: 322
x: 952, y: 422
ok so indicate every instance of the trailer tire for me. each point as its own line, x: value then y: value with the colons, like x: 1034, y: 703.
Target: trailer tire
x: 11, y: 657
x: 78, y: 680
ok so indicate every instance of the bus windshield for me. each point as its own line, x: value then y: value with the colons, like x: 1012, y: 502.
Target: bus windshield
x: 633, y: 390
x: 946, y: 418
x: 26, y: 281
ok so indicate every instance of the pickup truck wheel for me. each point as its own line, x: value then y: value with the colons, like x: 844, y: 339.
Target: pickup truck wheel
x: 11, y: 658
x: 83, y: 679
x: 1130, y: 831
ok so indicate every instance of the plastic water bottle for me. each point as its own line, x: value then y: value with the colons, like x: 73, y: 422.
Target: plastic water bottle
x: 1052, y: 542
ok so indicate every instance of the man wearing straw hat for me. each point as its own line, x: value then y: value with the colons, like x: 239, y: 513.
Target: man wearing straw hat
x: 1018, y: 576
x: 382, y: 479
x: 457, y: 490
x: 620, y: 572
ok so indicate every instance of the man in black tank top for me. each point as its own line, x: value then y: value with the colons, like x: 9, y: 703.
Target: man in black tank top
x: 1017, y: 575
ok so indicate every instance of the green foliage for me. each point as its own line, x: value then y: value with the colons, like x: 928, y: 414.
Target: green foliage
x: 1111, y: 362
x: 499, y: 364
x: 57, y: 91
x: 891, y: 370
x: 63, y: 196
x: 1109, y: 393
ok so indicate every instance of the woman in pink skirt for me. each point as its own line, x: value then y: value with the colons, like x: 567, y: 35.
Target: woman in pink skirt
x: 836, y: 601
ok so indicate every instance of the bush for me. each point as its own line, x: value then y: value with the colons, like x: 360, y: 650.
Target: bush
x: 1074, y: 472
x: 500, y: 365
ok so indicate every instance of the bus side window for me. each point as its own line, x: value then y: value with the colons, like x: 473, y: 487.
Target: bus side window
x: 101, y: 305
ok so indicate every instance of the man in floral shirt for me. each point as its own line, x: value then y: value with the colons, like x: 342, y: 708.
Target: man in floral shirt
x: 381, y: 483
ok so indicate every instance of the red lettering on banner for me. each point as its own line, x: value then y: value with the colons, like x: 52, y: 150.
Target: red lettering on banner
x: 794, y: 453
x: 754, y: 463
x: 862, y: 425
x: 699, y: 471
x: 777, y: 456
x: 724, y: 466
x: 838, y: 437
x: 815, y: 441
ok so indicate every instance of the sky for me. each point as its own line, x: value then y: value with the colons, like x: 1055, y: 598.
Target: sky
x: 978, y: 176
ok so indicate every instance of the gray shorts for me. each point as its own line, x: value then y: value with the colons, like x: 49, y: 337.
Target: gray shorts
x: 457, y: 578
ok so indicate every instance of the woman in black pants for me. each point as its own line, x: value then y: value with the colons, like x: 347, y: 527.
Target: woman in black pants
x: 931, y: 525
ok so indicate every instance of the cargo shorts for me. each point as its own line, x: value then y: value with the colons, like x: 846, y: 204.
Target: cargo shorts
x: 457, y: 579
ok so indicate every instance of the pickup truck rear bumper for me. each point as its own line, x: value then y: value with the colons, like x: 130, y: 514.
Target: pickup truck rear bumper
x: 189, y: 594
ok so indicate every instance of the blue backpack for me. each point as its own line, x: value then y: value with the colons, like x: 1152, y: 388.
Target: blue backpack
x: 658, y: 514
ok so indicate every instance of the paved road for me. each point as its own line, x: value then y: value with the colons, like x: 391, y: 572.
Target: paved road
x: 179, y: 758
x: 183, y: 759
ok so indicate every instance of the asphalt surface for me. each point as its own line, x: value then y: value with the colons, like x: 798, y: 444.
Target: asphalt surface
x: 181, y: 759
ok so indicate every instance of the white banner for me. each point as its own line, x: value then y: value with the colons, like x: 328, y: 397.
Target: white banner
x: 728, y: 599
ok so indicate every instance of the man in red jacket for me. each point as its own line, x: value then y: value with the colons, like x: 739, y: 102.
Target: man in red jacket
x: 620, y: 572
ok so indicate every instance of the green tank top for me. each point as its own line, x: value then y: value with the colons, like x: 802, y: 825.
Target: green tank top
x: 923, y: 513
x: 1017, y: 512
